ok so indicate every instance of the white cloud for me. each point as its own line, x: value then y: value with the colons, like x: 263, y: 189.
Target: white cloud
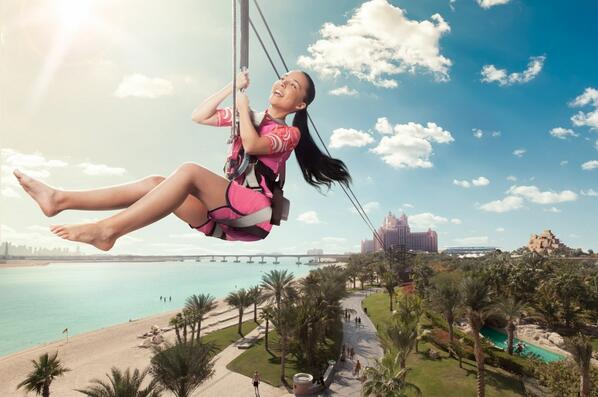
x: 500, y: 229
x: 519, y: 152
x: 309, y: 217
x: 9, y: 192
x: 138, y: 85
x: 367, y: 207
x: 511, y: 178
x: 480, y: 181
x: 456, y: 221
x: 35, y: 165
x: 564, y: 162
x: 452, y: 4
x: 491, y: 3
x: 596, y: 144
x: 462, y: 183
x: 426, y: 220
x: 344, y: 90
x: 589, y: 165
x: 589, y: 119
x: 349, y: 137
x: 383, y: 126
x: 490, y: 74
x: 507, y: 204
x: 379, y: 42
x: 533, y: 194
x: 475, y: 240
x: 411, y: 145
x: 552, y: 209
x: 100, y: 169
x: 591, y: 193
x: 478, y: 133
x: 562, y: 133
x: 407, y: 205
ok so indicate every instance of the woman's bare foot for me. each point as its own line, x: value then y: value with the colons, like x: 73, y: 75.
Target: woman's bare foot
x: 90, y: 233
x: 44, y: 195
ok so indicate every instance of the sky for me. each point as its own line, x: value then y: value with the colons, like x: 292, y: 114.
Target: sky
x: 476, y: 118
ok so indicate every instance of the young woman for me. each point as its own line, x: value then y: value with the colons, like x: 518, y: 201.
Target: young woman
x: 204, y: 200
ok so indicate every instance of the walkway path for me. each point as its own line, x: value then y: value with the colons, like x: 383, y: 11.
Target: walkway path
x: 364, y: 340
x: 226, y: 383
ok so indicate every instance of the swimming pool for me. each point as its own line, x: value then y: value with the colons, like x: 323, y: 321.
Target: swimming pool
x: 499, y: 340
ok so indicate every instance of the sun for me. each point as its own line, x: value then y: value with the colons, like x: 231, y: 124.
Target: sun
x: 72, y: 14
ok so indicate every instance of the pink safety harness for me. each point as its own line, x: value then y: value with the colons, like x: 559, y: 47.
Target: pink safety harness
x: 264, y: 173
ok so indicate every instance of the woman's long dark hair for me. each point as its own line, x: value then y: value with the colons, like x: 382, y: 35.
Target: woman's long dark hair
x: 317, y: 168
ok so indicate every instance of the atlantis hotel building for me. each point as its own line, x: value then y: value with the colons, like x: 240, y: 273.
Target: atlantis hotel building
x: 396, y: 232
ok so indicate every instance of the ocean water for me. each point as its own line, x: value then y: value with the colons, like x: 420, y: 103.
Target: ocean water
x: 38, y: 303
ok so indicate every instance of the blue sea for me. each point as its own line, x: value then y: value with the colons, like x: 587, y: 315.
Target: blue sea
x: 38, y: 303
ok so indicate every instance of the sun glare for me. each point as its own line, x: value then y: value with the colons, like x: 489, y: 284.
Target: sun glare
x: 71, y: 14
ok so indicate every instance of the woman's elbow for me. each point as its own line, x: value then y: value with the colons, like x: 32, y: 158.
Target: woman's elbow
x: 196, y: 118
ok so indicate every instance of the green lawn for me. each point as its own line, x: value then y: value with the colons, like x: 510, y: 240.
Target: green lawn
x: 444, y: 378
x: 224, y: 337
x: 267, y: 363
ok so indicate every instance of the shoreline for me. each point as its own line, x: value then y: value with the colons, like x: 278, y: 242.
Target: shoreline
x: 91, y: 354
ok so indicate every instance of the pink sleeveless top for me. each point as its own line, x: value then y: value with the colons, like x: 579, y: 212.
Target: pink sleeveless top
x: 282, y: 139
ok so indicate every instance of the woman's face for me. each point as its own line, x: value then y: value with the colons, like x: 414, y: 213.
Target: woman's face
x: 288, y: 92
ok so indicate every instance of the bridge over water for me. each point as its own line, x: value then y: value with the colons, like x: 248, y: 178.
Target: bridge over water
x: 235, y: 258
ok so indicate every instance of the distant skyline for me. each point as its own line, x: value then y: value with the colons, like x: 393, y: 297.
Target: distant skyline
x: 477, y: 118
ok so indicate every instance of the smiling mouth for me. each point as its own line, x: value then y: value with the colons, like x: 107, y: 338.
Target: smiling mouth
x: 278, y: 93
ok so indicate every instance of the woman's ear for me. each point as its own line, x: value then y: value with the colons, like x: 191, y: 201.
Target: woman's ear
x: 301, y: 106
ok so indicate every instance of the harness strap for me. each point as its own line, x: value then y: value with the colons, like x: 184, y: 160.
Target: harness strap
x: 218, y: 232
x: 252, y: 219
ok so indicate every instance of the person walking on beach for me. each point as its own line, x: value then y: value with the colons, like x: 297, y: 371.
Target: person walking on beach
x: 256, y: 383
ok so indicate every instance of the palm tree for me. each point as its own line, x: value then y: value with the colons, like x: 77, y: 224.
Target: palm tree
x: 267, y: 315
x: 257, y: 297
x: 512, y: 309
x: 200, y: 305
x: 239, y: 299
x: 284, y: 321
x: 446, y: 298
x: 177, y: 321
x: 387, y: 379
x: 399, y: 338
x: 122, y: 385
x: 45, y: 369
x: 580, y: 347
x: 182, y: 367
x: 278, y: 285
x: 476, y: 300
x: 389, y: 280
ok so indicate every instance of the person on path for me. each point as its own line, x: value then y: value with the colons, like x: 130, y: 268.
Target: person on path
x: 256, y: 383
x: 357, y: 368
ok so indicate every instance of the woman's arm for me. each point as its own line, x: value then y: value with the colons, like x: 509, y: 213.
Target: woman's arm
x: 205, y: 113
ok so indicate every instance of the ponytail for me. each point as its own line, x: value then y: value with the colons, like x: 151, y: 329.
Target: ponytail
x: 317, y: 168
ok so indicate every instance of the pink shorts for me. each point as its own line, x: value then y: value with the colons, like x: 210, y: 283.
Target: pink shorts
x: 240, y: 201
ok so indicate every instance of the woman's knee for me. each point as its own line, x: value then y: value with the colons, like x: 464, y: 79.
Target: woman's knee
x: 154, y: 180
x: 190, y: 168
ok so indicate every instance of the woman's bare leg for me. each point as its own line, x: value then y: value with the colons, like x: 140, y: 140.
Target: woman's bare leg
x: 165, y: 198
x: 52, y: 201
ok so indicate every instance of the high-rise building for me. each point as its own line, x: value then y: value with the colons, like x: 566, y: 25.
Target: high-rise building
x: 396, y: 233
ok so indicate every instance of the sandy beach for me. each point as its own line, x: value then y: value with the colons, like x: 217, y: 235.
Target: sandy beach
x: 23, y: 263
x: 91, y: 355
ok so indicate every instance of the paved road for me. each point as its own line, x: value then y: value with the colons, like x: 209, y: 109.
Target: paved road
x: 364, y: 340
